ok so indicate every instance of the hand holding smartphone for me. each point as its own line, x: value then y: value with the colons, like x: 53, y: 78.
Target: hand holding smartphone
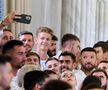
x: 23, y: 18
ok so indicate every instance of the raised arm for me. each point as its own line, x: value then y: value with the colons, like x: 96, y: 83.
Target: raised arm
x: 8, y: 20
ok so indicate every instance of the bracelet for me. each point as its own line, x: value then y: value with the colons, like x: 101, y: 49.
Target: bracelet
x: 3, y: 23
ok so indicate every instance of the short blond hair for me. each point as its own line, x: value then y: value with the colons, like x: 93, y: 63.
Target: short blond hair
x: 44, y: 29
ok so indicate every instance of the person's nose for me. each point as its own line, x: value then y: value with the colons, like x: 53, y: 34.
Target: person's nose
x: 88, y: 60
x: 32, y: 61
x: 64, y: 63
x: 26, y: 42
x: 24, y: 57
x: 8, y: 39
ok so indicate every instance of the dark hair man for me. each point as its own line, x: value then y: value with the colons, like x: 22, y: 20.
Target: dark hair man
x: 56, y: 85
x: 27, y: 38
x: 71, y: 43
x: 52, y: 64
x: 5, y: 72
x: 15, y: 49
x: 5, y: 36
x: 33, y: 58
x: 103, y: 77
x: 52, y: 49
x: 101, y: 50
x: 94, y: 81
x: 103, y: 65
x: 88, y: 60
x: 34, y: 80
x: 66, y: 61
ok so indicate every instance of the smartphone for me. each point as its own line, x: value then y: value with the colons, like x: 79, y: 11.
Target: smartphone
x: 23, y: 18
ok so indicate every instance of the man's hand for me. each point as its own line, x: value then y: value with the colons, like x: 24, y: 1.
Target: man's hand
x: 9, y: 19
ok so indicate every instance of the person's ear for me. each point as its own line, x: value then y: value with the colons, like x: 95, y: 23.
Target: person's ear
x: 105, y: 55
x: 75, y: 65
x: 35, y: 41
x: 36, y: 87
x: 0, y: 78
x: 107, y: 84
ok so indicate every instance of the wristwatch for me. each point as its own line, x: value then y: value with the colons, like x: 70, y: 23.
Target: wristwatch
x: 3, y: 23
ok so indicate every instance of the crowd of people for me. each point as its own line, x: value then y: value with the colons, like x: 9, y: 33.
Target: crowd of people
x: 72, y: 68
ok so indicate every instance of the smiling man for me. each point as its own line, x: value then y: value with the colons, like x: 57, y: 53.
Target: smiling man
x: 43, y: 42
x: 5, y: 36
x: 27, y: 38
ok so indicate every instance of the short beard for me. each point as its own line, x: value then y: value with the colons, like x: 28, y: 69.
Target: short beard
x: 8, y: 88
x: 19, y: 66
x: 51, y: 54
x: 104, y: 87
x: 88, y: 69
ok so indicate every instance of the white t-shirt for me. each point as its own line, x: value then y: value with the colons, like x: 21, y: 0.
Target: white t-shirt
x: 80, y: 76
x: 43, y: 66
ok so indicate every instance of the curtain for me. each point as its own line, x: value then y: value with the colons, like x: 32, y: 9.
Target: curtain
x: 88, y: 19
